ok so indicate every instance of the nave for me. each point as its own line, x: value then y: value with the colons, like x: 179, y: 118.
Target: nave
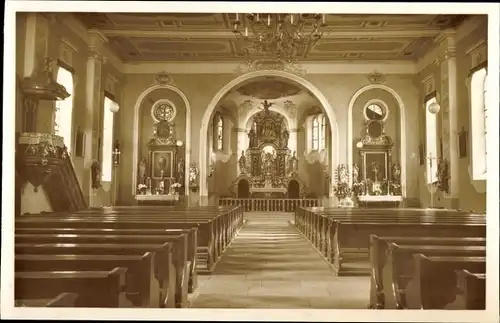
x: 271, y: 265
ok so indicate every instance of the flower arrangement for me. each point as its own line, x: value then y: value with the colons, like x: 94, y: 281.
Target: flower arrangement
x: 175, y: 185
x: 142, y: 188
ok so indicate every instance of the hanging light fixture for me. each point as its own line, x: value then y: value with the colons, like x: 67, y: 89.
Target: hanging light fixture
x: 282, y: 37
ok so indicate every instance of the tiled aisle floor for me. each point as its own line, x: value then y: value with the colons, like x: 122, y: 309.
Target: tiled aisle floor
x: 270, y: 265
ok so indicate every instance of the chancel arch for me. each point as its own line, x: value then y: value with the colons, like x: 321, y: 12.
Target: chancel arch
x: 142, y: 108
x: 387, y: 109
x: 249, y: 109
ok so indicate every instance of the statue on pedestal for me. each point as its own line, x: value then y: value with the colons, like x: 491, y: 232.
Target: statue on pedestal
x: 293, y: 164
x: 180, y: 169
x: 285, y: 136
x: 252, y: 136
x: 243, y: 163
x: 142, y: 171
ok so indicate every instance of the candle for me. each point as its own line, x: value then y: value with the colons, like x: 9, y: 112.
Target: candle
x: 258, y: 17
x: 269, y: 20
x: 323, y: 18
x: 246, y: 31
x: 237, y: 17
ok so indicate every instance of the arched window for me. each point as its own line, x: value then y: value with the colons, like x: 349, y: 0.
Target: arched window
x: 478, y: 118
x: 431, y: 142
x: 107, y: 139
x: 315, y: 133
x: 322, y: 132
x: 63, y: 116
x: 218, y: 132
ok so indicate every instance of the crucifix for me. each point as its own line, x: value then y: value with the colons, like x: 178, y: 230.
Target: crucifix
x: 267, y: 105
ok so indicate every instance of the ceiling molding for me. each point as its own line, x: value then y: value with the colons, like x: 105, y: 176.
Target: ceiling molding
x: 81, y: 31
x: 230, y: 35
x: 465, y: 29
x: 346, y: 67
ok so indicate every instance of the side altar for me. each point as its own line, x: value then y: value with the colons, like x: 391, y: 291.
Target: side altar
x: 161, y: 174
x: 268, y: 168
x: 378, y: 182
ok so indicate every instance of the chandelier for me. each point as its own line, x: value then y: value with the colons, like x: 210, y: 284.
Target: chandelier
x: 278, y: 37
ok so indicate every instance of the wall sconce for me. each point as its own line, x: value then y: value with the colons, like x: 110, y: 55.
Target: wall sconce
x: 179, y: 143
x: 359, y: 145
x: 434, y: 107
x: 116, y: 153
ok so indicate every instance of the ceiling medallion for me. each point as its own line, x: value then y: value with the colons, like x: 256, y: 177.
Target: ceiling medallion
x: 163, y: 78
x: 376, y: 77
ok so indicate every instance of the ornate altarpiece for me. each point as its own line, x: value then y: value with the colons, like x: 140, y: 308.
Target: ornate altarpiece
x: 163, y: 166
x: 380, y: 178
x: 268, y: 165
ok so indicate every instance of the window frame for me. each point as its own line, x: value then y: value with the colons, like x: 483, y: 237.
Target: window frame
x: 478, y: 112
x: 218, y: 125
x: 431, y: 146
x: 107, y: 142
x: 64, y: 109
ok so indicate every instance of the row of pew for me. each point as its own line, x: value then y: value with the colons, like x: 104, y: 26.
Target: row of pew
x: 416, y: 258
x: 139, y: 256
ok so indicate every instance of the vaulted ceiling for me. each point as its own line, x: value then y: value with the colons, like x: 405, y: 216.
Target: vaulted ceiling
x: 148, y: 37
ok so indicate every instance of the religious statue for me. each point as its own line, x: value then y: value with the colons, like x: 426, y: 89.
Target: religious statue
x: 243, y: 162
x: 267, y: 163
x: 284, y: 139
x: 142, y: 171
x: 252, y: 136
x: 293, y: 163
x: 396, y: 173
x: 180, y: 168
x: 193, y: 173
x: 342, y: 174
x: 355, y: 173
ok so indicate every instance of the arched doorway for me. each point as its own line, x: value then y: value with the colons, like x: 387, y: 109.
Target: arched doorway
x: 325, y: 106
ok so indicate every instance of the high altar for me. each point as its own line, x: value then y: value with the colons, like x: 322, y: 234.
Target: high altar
x: 267, y: 168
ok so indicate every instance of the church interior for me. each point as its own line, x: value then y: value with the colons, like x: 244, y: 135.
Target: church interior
x: 251, y: 160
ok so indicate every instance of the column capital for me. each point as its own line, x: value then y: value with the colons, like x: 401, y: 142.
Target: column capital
x: 94, y: 53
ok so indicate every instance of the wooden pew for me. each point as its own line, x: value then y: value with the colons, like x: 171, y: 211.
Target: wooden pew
x: 347, y: 236
x: 434, y: 284
x: 471, y: 290
x: 164, y: 270
x: 142, y: 287
x: 191, y: 245
x: 207, y: 251
x: 94, y: 288
x: 379, y: 250
x: 179, y: 251
x: 399, y: 269
x: 61, y: 300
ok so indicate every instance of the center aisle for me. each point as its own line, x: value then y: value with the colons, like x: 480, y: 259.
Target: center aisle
x: 270, y: 265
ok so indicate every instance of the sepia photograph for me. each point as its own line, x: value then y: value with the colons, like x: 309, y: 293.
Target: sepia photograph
x: 284, y: 161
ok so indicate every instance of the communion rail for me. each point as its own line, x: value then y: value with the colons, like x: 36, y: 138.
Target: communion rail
x: 270, y: 205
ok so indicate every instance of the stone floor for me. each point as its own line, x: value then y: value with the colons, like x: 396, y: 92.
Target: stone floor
x: 270, y: 265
